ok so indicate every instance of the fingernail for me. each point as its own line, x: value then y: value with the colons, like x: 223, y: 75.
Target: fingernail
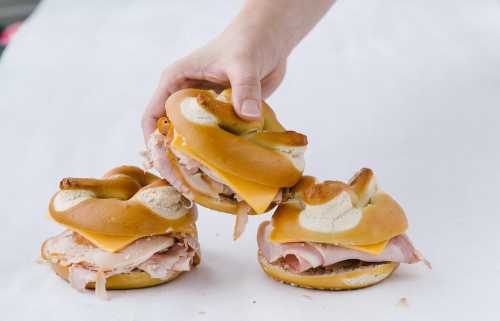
x: 250, y: 108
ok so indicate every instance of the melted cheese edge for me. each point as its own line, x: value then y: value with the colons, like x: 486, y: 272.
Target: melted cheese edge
x: 374, y: 249
x: 258, y: 196
x: 110, y: 243
x: 106, y: 242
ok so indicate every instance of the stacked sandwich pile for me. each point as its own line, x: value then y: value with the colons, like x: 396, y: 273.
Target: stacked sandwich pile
x: 133, y: 229
x: 128, y: 230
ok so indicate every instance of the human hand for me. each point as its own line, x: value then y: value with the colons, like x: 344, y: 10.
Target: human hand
x: 239, y: 58
x: 249, y: 56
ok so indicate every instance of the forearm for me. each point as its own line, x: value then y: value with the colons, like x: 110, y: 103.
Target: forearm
x: 250, y: 56
x: 282, y: 23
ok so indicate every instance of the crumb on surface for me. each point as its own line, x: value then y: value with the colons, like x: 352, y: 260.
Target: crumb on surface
x: 403, y: 302
x: 307, y: 296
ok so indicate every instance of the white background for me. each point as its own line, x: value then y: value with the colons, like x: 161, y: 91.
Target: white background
x: 408, y: 88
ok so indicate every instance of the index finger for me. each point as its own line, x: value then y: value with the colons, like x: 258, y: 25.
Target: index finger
x: 171, y: 81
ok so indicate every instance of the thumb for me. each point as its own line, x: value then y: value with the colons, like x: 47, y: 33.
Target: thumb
x: 247, y: 97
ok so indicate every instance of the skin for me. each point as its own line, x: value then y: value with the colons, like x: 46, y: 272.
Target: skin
x: 250, y: 56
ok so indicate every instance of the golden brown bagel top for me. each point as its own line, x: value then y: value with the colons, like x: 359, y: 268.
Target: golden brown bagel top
x: 259, y: 151
x: 333, y: 212
x: 126, y: 202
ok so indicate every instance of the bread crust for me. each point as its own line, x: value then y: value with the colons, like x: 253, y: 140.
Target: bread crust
x: 381, y: 221
x: 123, y: 281
x: 381, y: 217
x: 364, y: 276
x: 114, y: 210
x: 225, y: 146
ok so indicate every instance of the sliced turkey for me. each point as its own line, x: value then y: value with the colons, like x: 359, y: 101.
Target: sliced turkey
x: 302, y: 256
x: 159, y: 256
x: 158, y: 156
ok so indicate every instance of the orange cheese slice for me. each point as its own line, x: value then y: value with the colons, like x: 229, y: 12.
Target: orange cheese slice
x: 106, y: 242
x: 374, y: 249
x: 258, y: 196
x: 110, y: 243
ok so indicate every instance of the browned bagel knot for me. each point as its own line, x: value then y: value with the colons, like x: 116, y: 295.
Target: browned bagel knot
x: 333, y: 235
x: 120, y: 183
x: 221, y: 161
x: 126, y: 202
x: 259, y: 151
x: 357, y: 213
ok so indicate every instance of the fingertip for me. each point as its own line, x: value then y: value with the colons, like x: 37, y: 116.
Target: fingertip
x: 148, y: 127
x: 250, y: 109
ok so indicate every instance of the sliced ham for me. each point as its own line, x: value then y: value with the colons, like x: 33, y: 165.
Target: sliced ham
x: 399, y: 249
x: 271, y: 250
x: 301, y: 256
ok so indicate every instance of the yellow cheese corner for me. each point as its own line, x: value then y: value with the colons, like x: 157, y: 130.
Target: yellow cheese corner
x: 374, y: 249
x: 256, y: 195
x: 106, y: 242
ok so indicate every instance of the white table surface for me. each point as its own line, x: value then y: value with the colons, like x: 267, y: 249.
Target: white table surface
x: 409, y: 88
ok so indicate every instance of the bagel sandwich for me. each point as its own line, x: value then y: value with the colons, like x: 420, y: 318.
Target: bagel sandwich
x: 336, y: 236
x: 223, y: 162
x: 128, y: 230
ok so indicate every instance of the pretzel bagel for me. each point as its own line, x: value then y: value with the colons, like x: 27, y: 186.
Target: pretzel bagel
x: 124, y: 281
x: 125, y: 202
x: 221, y: 161
x: 339, y: 278
x: 129, y: 229
x: 220, y: 136
x: 334, y: 236
x: 333, y: 212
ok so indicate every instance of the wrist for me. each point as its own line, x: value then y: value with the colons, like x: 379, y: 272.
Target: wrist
x: 257, y: 32
x: 264, y: 24
x: 284, y: 23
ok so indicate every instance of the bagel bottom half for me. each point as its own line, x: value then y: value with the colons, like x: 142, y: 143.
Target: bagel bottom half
x: 123, y: 281
x: 341, y: 278
x: 223, y: 204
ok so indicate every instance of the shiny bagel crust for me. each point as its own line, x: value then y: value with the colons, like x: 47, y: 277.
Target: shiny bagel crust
x: 360, y: 277
x: 115, y: 211
x: 234, y: 145
x: 381, y: 217
x: 123, y: 281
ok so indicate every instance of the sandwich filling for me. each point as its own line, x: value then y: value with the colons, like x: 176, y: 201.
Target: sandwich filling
x: 160, y: 256
x: 189, y: 175
x: 313, y: 257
